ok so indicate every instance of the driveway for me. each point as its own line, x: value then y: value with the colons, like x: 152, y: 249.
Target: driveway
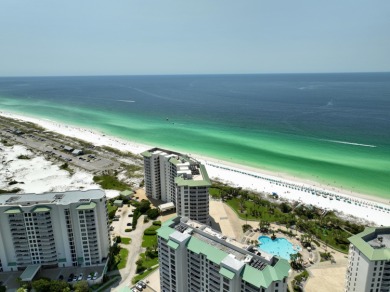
x: 134, y: 248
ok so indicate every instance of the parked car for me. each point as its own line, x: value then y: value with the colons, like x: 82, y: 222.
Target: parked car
x: 89, y: 277
x: 95, y: 275
x: 139, y: 287
x: 70, y: 278
x: 61, y: 277
x: 142, y: 284
x: 74, y: 278
x: 80, y: 277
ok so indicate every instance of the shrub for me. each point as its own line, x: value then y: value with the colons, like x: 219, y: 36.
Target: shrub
x: 246, y: 227
x: 157, y: 223
x: 144, y: 206
x: 316, y: 242
x: 127, y: 229
x: 153, y: 213
x: 150, y: 232
x: 64, y: 166
x: 136, y: 215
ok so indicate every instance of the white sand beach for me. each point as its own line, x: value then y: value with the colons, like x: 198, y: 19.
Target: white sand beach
x: 373, y: 209
x: 38, y: 175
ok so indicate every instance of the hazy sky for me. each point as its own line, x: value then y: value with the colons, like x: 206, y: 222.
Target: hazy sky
x: 117, y: 37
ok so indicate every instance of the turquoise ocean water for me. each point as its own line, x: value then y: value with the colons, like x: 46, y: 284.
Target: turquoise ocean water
x: 331, y: 128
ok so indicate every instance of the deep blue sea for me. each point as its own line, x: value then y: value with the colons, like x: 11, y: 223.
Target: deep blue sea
x: 331, y: 128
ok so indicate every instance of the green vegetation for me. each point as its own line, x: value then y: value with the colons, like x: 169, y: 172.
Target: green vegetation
x: 66, y: 167
x: 122, y: 258
x: 110, y: 182
x: 132, y: 169
x: 121, y: 153
x: 100, y: 287
x: 149, y: 241
x: 246, y: 227
x: 150, y: 238
x: 47, y: 285
x: 315, y: 222
x: 81, y: 286
x: 157, y: 223
x: 141, y: 208
x: 143, y: 275
x: 14, y: 190
x: 325, y: 256
x: 297, y: 283
x: 153, y: 213
x: 23, y: 157
x: 117, y: 257
x: 111, y: 210
x: 126, y: 240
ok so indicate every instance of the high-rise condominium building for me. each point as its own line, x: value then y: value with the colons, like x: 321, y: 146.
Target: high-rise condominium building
x: 369, y: 261
x: 58, y: 229
x: 174, y: 177
x: 193, y: 257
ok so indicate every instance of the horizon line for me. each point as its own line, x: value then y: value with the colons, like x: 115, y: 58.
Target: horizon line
x: 194, y: 74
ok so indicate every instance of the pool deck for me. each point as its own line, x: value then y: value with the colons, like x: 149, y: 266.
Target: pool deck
x: 333, y: 272
x: 324, y: 276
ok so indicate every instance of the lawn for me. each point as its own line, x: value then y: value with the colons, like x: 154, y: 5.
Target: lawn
x: 150, y: 240
x: 148, y: 262
x: 125, y: 240
x: 143, y: 275
x: 121, y: 258
x: 214, y: 192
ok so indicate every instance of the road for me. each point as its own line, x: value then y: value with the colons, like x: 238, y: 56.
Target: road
x: 134, y: 248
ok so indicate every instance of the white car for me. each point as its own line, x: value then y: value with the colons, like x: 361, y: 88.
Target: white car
x: 80, y: 277
x: 95, y: 276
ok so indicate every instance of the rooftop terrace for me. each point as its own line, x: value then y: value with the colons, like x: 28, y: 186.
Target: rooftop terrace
x: 374, y: 243
x: 63, y: 198
x: 189, y: 170
x: 247, y: 254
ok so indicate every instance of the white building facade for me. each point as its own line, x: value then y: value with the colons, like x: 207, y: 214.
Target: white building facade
x: 58, y: 229
x: 193, y: 257
x: 174, y: 177
x: 369, y: 261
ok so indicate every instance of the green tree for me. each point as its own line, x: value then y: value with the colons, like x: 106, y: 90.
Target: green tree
x: 153, y: 213
x: 81, y: 286
x: 41, y: 285
x: 144, y: 206
x: 285, y: 208
x: 57, y: 285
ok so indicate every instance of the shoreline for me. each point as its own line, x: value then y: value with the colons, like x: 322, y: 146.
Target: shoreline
x: 238, y: 175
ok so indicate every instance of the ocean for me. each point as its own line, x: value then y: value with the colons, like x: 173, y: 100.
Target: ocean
x: 329, y: 128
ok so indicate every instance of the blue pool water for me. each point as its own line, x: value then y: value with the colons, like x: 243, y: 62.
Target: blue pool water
x: 280, y: 247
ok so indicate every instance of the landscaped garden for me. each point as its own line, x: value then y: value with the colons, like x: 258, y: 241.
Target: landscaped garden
x: 149, y: 259
x: 317, y: 224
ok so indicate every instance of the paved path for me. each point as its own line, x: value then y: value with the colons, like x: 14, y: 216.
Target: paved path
x: 134, y: 249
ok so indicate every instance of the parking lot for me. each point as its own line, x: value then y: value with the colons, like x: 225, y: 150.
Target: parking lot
x: 56, y: 151
x: 124, y: 221
x: 10, y: 279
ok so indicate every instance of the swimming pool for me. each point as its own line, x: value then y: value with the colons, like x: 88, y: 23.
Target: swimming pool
x: 280, y: 246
